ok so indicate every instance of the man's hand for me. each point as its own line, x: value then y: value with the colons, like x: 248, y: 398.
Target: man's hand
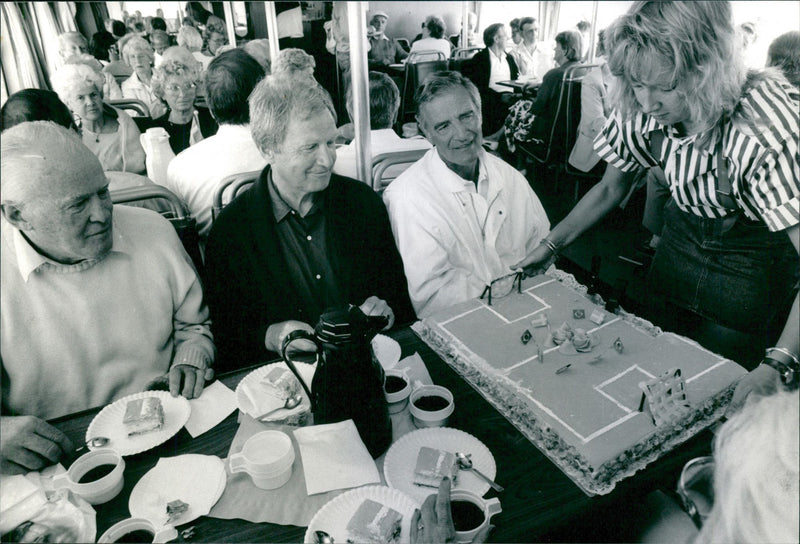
x: 375, y: 306
x: 192, y: 378
x: 29, y: 444
x: 539, y: 260
x: 433, y: 523
x: 277, y: 332
x: 762, y: 380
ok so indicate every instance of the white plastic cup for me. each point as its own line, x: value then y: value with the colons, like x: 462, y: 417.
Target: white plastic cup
x: 397, y: 400
x: 98, y: 491
x: 488, y: 507
x: 267, y: 457
x: 430, y: 418
x: 130, y: 525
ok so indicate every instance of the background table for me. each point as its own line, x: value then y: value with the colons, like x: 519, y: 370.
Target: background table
x: 539, y: 503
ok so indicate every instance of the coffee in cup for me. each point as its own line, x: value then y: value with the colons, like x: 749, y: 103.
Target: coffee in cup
x: 431, y: 406
x: 96, y: 476
x: 138, y: 530
x: 397, y: 389
x: 471, y: 513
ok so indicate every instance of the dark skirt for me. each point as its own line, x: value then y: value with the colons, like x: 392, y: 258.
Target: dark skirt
x: 732, y: 271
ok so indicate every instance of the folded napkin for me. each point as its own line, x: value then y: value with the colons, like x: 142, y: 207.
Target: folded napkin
x: 258, y: 400
x: 287, y: 505
x: 415, y: 369
x: 214, y: 405
x: 334, y: 457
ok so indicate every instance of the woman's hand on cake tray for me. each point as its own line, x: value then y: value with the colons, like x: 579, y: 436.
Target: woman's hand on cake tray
x: 762, y: 380
x: 375, y: 306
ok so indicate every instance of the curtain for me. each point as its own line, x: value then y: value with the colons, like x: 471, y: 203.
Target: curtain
x: 29, y: 48
x: 548, y: 20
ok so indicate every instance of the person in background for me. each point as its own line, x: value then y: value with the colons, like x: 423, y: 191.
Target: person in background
x: 195, y: 173
x: 105, y: 49
x: 158, y: 23
x: 747, y: 39
x: 485, y: 69
x: 301, y: 239
x: 383, y: 49
x: 111, y: 90
x: 516, y: 32
x: 191, y: 39
x: 531, y: 120
x: 213, y: 39
x: 116, y: 27
x: 461, y: 217
x: 129, y: 306
x: 384, y: 102
x: 108, y: 132
x: 259, y: 50
x: 139, y: 55
x: 159, y: 40
x: 73, y: 48
x: 726, y: 269
x: 533, y: 58
x: 433, y: 30
x: 585, y: 28
x: 176, y: 84
x: 294, y: 62
x: 784, y: 54
x: 473, y: 39
x: 35, y: 105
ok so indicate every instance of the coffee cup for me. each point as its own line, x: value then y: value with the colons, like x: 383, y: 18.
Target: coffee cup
x: 96, y: 476
x: 138, y: 530
x: 397, y: 388
x: 267, y: 457
x: 431, y: 406
x: 471, y: 513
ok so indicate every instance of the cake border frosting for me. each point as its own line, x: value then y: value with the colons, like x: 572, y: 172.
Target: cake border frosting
x: 504, y: 395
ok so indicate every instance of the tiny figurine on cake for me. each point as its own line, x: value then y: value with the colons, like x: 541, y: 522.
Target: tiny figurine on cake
x: 374, y: 523
x: 433, y: 465
x: 143, y: 416
x: 581, y: 341
x: 562, y: 334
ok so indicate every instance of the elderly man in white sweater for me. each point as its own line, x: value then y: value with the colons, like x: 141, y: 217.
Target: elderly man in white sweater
x: 98, y: 301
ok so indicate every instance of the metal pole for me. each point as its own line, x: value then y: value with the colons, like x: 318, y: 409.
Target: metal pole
x: 359, y: 87
x: 272, y: 31
x: 464, y: 24
x: 230, y: 25
x: 593, y: 33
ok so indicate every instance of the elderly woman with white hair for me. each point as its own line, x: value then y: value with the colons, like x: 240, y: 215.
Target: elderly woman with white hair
x: 139, y: 55
x: 176, y: 84
x: 294, y: 62
x: 109, y: 132
x: 190, y: 38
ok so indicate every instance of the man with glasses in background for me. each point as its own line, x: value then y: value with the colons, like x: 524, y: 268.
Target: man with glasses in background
x: 462, y: 218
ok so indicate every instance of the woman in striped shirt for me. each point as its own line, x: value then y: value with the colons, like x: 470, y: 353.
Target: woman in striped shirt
x: 728, y: 144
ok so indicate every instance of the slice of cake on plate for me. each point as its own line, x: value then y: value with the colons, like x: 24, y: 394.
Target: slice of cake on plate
x: 280, y: 383
x: 143, y: 416
x: 374, y: 523
x: 433, y: 465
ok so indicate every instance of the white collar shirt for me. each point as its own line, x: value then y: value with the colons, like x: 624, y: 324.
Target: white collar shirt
x: 499, y: 71
x: 454, y: 237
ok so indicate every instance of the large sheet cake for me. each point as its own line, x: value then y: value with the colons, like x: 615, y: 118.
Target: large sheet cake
x: 587, y: 417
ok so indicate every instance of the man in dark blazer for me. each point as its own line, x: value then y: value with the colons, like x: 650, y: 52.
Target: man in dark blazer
x: 487, y: 67
x: 301, y: 239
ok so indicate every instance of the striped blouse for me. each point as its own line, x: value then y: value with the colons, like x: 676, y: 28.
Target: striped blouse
x: 762, y: 157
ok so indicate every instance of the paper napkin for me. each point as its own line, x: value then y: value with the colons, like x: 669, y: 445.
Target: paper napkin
x: 334, y: 457
x: 215, y: 404
x: 415, y: 369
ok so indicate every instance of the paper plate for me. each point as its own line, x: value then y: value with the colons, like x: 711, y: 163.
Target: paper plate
x: 401, y: 459
x: 197, y: 480
x: 335, y: 515
x: 252, y: 380
x: 108, y: 423
x: 387, y: 350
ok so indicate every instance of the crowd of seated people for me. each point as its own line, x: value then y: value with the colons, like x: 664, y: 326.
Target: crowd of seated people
x: 307, y: 235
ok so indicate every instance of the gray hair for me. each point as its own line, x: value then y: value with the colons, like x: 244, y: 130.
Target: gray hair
x: 190, y: 38
x: 292, y: 61
x: 384, y: 100
x: 35, y: 156
x: 277, y: 100
x: 67, y: 78
x: 137, y: 44
x: 756, y: 489
x: 72, y: 37
x: 442, y: 82
x: 168, y: 69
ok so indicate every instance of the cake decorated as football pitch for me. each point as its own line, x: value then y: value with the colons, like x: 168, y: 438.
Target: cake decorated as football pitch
x: 601, y: 394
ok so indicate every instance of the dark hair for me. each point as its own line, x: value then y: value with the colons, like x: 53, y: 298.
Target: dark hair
x: 435, y: 26
x: 526, y: 21
x: 197, y: 12
x: 35, y: 105
x: 784, y: 53
x: 158, y: 24
x: 584, y: 25
x: 101, y: 42
x: 570, y: 42
x: 229, y: 80
x: 118, y: 28
x: 490, y: 32
x: 514, y: 24
x: 601, y: 43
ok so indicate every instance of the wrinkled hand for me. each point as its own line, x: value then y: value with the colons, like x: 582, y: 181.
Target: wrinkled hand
x: 762, y: 380
x: 193, y: 380
x: 376, y: 306
x: 539, y: 260
x: 29, y: 443
x: 278, y: 331
x: 433, y: 523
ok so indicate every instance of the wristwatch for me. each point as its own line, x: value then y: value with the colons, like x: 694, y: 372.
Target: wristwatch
x: 785, y: 364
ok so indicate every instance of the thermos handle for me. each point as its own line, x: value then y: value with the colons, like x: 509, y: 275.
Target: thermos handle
x: 291, y: 337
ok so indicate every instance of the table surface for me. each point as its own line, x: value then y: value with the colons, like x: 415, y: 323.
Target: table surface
x: 518, y: 84
x: 539, y: 501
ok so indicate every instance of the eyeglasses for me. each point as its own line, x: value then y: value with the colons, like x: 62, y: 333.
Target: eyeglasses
x: 175, y: 88
x: 503, y: 286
